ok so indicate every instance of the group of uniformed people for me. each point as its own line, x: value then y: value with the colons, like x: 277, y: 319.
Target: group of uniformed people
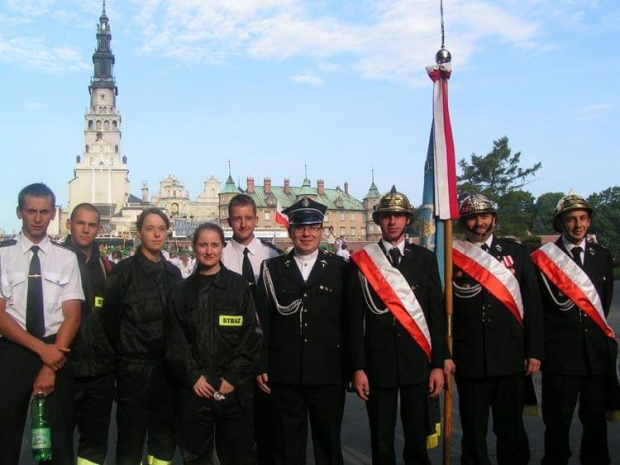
x: 254, y: 345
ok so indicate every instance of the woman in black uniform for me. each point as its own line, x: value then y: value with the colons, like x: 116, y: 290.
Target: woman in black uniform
x: 213, y: 346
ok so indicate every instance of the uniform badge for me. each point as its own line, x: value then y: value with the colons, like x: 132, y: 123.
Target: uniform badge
x: 498, y: 247
x: 459, y: 274
x: 305, y: 202
x: 98, y: 301
x: 324, y: 263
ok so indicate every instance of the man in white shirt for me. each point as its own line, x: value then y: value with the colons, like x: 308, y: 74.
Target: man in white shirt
x: 40, y: 307
x: 244, y: 254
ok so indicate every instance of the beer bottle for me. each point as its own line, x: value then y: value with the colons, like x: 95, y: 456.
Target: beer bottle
x: 40, y: 428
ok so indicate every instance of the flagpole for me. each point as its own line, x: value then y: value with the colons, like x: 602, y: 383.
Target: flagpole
x: 447, y: 407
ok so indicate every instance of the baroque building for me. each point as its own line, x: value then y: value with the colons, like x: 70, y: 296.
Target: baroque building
x: 101, y: 177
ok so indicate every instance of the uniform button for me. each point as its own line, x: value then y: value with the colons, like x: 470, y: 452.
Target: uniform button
x: 305, y: 295
x: 398, y: 335
x: 305, y: 311
x: 306, y: 324
x: 320, y: 287
x: 305, y: 340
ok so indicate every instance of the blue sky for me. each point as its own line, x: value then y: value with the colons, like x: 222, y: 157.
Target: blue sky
x: 339, y: 85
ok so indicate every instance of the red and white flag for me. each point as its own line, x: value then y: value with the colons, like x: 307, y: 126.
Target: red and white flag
x: 281, y: 218
x: 446, y: 206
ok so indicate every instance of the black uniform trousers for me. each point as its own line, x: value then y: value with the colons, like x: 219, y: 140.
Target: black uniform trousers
x: 292, y: 405
x: 93, y: 397
x: 145, y: 404
x: 559, y: 399
x: 382, y: 408
x: 201, y: 422
x: 263, y: 432
x: 503, y: 395
x: 18, y: 369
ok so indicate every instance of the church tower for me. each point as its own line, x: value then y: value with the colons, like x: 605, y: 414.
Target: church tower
x: 101, y: 174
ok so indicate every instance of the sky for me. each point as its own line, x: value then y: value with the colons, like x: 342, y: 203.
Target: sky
x: 337, y: 88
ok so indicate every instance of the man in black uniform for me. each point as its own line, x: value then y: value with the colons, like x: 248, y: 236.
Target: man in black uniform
x: 497, y: 327
x: 40, y: 294
x: 92, y: 358
x: 580, y: 348
x: 396, y: 333
x: 301, y: 304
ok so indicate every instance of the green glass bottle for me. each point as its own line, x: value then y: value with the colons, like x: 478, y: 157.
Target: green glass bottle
x: 40, y: 427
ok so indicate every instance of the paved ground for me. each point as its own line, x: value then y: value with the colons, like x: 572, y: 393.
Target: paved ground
x: 355, y: 434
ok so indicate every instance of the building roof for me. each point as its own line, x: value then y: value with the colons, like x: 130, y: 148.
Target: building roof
x: 229, y: 187
x: 333, y: 199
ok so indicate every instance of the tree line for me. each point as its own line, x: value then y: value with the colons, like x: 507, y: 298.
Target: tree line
x: 500, y: 176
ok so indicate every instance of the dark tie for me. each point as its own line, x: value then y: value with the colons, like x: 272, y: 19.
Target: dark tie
x: 246, y: 269
x: 576, y: 251
x: 35, y: 322
x: 485, y: 247
x: 395, y: 256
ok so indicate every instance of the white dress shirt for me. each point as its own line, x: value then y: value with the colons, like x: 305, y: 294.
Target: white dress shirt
x: 305, y: 262
x: 388, y: 246
x: 232, y: 255
x: 569, y: 246
x: 60, y: 279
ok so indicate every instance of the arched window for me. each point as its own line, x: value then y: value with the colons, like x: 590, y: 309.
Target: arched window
x: 98, y: 125
x: 116, y: 149
x: 90, y: 124
x: 114, y: 125
x: 87, y: 147
x: 106, y: 125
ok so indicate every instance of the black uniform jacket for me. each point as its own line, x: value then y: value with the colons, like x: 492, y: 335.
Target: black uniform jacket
x: 304, y: 347
x: 213, y: 330
x: 488, y: 339
x: 91, y: 353
x: 135, y: 305
x: 380, y: 345
x: 574, y: 344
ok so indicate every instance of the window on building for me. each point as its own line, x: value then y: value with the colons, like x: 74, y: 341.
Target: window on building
x: 341, y: 216
x: 90, y: 124
x: 343, y: 231
x: 98, y: 125
x: 352, y: 216
x: 353, y: 232
x: 267, y: 216
x: 87, y: 148
x: 106, y: 125
x: 116, y: 149
x: 363, y: 232
x: 114, y: 124
x: 326, y: 218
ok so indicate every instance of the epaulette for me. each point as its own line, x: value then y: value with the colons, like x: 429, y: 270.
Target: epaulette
x: 8, y: 243
x: 596, y: 245
x: 270, y: 245
x: 331, y: 254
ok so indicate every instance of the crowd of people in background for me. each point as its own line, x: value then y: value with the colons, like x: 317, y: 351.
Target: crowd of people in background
x: 234, y: 347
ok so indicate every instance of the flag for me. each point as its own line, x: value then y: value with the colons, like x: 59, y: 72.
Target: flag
x: 281, y: 218
x: 444, y: 162
x: 431, y: 230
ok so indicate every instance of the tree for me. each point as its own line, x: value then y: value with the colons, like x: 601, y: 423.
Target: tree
x: 543, y: 213
x: 606, y: 220
x: 515, y: 212
x: 495, y: 174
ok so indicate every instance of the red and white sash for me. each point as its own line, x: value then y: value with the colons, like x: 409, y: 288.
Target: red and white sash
x: 572, y: 281
x: 492, y: 274
x: 395, y: 292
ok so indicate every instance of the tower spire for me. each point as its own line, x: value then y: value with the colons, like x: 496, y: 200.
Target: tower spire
x: 103, y: 58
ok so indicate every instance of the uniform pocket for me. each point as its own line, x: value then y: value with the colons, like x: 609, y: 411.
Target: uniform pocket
x: 52, y: 287
x: 14, y: 288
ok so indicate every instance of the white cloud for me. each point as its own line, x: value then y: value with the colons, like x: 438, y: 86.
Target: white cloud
x: 395, y: 40
x: 34, y: 106
x: 309, y: 78
x: 593, y: 112
x: 33, y: 53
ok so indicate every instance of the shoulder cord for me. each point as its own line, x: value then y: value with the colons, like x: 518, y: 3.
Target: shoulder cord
x: 368, y: 296
x: 466, y: 292
x: 287, y: 310
x: 563, y: 306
